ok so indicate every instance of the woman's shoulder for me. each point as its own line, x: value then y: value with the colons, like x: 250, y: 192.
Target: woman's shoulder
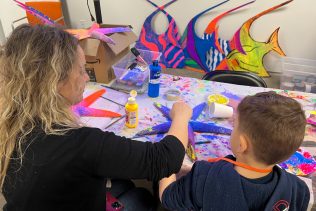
x: 88, y: 132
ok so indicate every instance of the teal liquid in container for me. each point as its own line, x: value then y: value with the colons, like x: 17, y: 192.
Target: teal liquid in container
x: 154, y: 79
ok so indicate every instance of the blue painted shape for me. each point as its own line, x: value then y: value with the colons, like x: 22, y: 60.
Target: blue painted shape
x: 157, y: 129
x: 209, y: 128
x: 197, y: 110
x: 163, y: 109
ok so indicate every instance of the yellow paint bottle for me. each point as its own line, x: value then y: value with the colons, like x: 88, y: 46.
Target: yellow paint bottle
x: 131, y: 109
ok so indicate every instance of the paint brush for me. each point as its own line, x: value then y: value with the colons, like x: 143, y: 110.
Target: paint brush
x: 118, y: 90
x: 202, y: 142
x: 115, y: 121
x: 112, y: 101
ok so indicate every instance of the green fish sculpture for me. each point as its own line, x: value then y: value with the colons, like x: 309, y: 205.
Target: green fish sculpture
x: 246, y: 53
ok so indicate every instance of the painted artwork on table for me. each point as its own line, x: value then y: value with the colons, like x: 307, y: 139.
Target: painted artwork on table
x: 312, y: 120
x: 246, y: 53
x: 194, y: 126
x: 83, y: 109
x: 168, y: 43
x: 301, y: 163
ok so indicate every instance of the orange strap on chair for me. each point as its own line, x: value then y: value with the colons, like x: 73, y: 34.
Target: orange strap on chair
x: 242, y: 165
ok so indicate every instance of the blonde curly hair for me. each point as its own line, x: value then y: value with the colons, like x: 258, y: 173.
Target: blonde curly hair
x: 32, y: 63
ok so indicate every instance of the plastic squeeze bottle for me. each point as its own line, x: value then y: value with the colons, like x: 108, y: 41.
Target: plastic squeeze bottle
x: 131, y: 109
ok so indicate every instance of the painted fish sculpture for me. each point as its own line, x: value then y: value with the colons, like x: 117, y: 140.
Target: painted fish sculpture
x: 82, y: 108
x: 247, y: 54
x: 168, y: 43
x: 219, y: 47
x: 193, y: 45
x: 194, y: 126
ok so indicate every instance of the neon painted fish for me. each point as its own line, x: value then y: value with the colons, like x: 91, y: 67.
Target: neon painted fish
x: 219, y: 47
x: 168, y: 43
x: 195, y: 47
x: 247, y: 54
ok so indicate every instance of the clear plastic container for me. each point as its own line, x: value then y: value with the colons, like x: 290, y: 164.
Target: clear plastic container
x: 130, y: 72
x: 298, y: 74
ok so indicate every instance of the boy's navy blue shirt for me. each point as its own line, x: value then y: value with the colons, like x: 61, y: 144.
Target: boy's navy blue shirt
x: 218, y: 186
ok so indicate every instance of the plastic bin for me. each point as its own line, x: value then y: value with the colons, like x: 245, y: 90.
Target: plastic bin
x: 131, y: 73
x: 298, y: 74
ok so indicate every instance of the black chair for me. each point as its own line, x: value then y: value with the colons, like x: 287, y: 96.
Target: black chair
x: 235, y: 77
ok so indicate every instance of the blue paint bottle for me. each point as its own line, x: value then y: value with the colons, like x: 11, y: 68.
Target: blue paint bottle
x: 154, y: 79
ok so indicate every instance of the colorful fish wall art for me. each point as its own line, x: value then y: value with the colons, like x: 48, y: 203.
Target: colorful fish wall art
x: 219, y: 48
x: 168, y: 43
x: 246, y: 53
x: 210, y: 52
x: 195, y: 46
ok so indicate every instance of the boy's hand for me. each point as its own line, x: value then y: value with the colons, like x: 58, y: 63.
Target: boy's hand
x: 181, y: 110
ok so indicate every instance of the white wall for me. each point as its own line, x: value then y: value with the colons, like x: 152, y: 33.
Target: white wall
x: 8, y: 13
x: 296, y: 36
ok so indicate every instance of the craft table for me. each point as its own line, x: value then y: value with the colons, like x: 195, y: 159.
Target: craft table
x: 195, y: 91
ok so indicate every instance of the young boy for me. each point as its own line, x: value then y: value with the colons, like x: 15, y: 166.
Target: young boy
x: 268, y: 129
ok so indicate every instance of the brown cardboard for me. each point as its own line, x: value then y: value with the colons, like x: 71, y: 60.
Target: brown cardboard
x: 101, y: 56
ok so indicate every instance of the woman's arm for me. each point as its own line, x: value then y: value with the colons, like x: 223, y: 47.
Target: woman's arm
x: 119, y: 157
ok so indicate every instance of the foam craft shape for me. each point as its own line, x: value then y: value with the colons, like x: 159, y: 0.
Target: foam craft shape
x: 168, y: 43
x: 98, y: 33
x: 94, y: 31
x: 82, y: 108
x: 194, y: 125
x: 246, y: 53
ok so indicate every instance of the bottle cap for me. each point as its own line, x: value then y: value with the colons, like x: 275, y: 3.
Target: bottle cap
x: 155, y: 62
x: 133, y: 93
x: 217, y: 98
x: 135, y: 52
x: 131, y: 100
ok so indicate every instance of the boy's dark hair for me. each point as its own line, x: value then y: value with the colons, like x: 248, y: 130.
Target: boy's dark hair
x: 275, y: 125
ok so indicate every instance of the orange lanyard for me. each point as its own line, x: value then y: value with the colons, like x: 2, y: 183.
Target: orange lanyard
x: 242, y: 165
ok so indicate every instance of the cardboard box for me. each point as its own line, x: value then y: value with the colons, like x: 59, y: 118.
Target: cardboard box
x: 101, y: 56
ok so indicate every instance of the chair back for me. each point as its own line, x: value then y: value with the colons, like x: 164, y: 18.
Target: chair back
x: 235, y: 77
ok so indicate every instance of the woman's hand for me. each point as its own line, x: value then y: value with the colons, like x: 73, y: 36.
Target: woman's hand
x: 181, y: 110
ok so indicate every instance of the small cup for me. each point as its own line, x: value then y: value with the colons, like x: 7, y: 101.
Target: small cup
x: 220, y: 111
x: 287, y: 86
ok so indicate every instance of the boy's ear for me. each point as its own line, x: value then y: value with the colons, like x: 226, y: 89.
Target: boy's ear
x: 243, y: 143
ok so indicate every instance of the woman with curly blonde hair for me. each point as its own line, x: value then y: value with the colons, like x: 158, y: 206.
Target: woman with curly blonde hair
x: 48, y: 159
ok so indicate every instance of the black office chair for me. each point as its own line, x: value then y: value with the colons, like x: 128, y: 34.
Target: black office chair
x: 235, y: 77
